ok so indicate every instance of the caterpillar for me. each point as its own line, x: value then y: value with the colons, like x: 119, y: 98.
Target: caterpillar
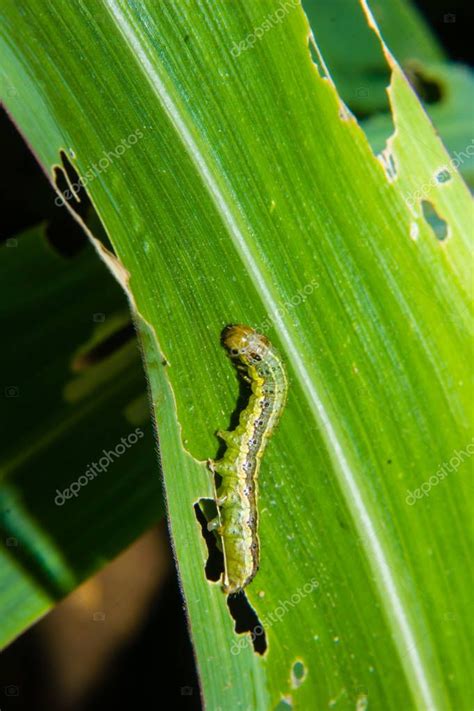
x: 236, y: 495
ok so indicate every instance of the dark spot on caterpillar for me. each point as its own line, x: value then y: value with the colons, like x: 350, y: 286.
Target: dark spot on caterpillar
x: 256, y: 357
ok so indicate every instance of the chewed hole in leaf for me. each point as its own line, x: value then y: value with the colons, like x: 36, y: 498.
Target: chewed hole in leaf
x: 391, y: 166
x: 206, y: 511
x: 387, y: 159
x: 437, y: 224
x: 73, y: 198
x: 443, y: 176
x: 298, y: 673
x: 64, y: 233
x: 246, y: 620
x: 68, y: 183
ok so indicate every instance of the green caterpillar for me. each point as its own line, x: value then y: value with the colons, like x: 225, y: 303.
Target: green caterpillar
x: 236, y: 496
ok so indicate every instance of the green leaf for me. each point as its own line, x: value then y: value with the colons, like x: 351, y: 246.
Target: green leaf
x: 251, y: 196
x: 72, y: 388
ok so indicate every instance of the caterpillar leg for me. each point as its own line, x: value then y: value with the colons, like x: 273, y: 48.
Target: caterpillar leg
x: 215, y: 525
x: 230, y: 438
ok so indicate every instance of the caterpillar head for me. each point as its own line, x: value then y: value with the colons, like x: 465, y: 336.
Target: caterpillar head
x: 245, y: 344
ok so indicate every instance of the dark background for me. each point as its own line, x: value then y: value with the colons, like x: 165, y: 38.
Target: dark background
x: 155, y: 666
